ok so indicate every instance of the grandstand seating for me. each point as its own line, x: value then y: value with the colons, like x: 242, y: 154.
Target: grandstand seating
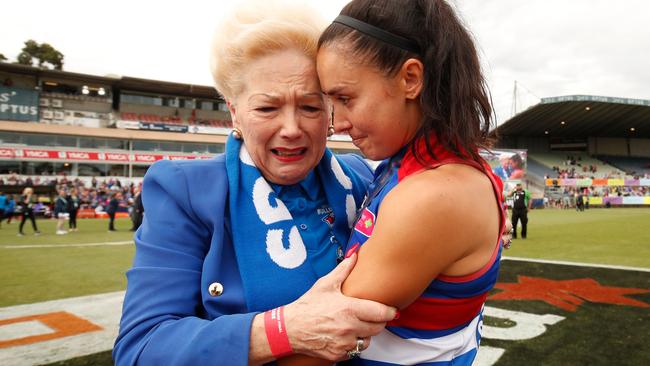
x: 581, y: 161
x: 536, y: 168
x: 632, y: 166
x: 141, y: 117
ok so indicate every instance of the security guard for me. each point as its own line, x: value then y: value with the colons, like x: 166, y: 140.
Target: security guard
x: 521, y: 205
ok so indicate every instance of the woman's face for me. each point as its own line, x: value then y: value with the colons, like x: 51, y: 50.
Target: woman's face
x: 282, y: 116
x: 376, y: 111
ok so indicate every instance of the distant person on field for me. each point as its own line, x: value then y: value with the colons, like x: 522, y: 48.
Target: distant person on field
x: 566, y: 198
x: 9, y: 209
x: 61, y: 211
x: 111, y: 209
x: 27, y: 202
x: 3, y: 204
x: 138, y: 210
x: 73, y: 209
x: 580, y: 202
x: 520, y: 206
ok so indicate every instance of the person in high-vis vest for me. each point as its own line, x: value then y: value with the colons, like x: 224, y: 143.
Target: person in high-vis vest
x: 521, y: 203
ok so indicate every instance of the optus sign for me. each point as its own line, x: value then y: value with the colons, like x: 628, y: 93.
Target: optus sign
x: 18, y: 104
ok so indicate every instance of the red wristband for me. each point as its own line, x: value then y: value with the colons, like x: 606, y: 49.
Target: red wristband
x: 276, y: 332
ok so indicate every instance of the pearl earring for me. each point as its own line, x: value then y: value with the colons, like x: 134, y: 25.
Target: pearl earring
x: 236, y: 133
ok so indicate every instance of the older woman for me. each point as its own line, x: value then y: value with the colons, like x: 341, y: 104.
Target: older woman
x: 227, y: 243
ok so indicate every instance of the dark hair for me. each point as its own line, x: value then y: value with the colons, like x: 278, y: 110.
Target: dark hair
x: 454, y: 99
x: 516, y: 159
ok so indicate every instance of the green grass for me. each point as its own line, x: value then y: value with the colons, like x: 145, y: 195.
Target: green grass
x: 38, y: 274
x: 594, y: 334
x: 605, y: 236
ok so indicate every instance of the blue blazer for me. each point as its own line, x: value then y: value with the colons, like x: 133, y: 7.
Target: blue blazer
x: 183, y: 246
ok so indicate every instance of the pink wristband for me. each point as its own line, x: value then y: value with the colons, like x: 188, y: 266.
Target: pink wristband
x: 276, y: 332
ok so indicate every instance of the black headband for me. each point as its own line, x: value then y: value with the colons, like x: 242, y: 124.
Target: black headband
x: 378, y: 33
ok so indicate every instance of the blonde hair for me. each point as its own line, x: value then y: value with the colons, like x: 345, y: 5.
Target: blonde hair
x: 258, y: 28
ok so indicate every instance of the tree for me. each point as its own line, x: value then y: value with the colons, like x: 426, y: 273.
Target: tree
x: 42, y: 53
x: 2, y: 58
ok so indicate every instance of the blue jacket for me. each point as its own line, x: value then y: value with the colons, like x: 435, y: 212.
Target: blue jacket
x: 183, y: 246
x: 60, y: 205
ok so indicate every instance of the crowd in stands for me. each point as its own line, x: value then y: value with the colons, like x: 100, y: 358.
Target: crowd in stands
x: 574, y: 169
x: 94, y: 194
x: 572, y: 195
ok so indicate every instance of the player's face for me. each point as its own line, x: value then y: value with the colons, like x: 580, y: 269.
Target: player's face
x: 369, y: 106
x: 282, y: 116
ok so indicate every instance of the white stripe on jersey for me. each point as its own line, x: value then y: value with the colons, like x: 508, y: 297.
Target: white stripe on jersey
x: 390, y: 348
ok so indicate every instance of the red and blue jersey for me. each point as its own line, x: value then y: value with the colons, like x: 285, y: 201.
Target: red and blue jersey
x: 443, y: 325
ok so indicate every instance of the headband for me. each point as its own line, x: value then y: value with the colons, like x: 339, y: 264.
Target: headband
x: 378, y: 33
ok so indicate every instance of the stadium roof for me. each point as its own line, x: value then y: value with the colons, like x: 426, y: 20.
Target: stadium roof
x: 123, y: 83
x: 581, y: 116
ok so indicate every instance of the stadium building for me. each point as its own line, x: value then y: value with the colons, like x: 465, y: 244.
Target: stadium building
x: 55, y: 123
x: 58, y: 126
x: 593, y: 146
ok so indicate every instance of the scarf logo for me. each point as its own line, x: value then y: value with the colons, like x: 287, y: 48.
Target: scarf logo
x: 286, y: 257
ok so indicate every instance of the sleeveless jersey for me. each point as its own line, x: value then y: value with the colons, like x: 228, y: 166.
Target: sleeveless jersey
x: 442, y: 326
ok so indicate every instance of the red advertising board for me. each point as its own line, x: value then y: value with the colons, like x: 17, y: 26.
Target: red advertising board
x: 7, y: 153
x: 13, y: 153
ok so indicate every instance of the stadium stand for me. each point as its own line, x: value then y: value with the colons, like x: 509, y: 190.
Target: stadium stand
x: 592, y: 145
x: 632, y: 166
x: 575, y: 165
x: 58, y: 126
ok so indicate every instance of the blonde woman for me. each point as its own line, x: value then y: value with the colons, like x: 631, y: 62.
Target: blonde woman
x: 230, y: 251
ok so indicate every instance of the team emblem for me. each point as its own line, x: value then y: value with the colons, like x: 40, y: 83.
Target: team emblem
x: 366, y: 223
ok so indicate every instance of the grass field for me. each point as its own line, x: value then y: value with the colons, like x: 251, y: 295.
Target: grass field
x: 30, y: 275
x: 58, y: 270
x: 604, y: 236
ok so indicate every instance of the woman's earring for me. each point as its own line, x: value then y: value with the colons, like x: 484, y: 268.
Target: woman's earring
x: 236, y: 133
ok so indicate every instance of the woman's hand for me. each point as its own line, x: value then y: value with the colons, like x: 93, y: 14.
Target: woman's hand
x: 324, y: 323
x: 506, y: 238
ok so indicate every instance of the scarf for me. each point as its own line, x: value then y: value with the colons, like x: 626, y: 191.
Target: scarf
x: 270, y: 252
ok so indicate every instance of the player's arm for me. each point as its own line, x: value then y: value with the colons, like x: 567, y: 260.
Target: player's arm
x: 439, y: 221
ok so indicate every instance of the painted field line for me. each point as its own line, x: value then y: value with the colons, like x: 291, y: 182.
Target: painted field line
x: 57, y: 330
x: 577, y: 264
x: 16, y: 246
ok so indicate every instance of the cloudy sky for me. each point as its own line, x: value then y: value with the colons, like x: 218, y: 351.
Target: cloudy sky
x: 550, y: 47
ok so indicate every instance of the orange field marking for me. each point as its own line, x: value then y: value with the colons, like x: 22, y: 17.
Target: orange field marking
x: 62, y: 323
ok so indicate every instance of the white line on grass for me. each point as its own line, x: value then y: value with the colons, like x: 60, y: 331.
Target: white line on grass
x: 126, y: 242
x: 577, y: 264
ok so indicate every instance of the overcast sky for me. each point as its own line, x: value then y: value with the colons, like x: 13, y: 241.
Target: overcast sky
x: 551, y: 47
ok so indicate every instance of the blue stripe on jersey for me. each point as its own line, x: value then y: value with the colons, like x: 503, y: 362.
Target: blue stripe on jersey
x: 439, y: 289
x: 407, y: 333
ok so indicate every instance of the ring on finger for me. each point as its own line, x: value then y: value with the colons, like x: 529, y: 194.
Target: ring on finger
x: 356, y: 352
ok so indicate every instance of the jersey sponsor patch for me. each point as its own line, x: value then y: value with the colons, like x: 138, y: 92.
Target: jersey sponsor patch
x: 366, y: 223
x: 329, y: 219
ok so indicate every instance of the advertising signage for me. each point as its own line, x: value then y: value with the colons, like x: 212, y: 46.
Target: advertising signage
x: 18, y: 104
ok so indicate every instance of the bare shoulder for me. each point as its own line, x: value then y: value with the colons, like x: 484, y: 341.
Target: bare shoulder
x: 449, y: 188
